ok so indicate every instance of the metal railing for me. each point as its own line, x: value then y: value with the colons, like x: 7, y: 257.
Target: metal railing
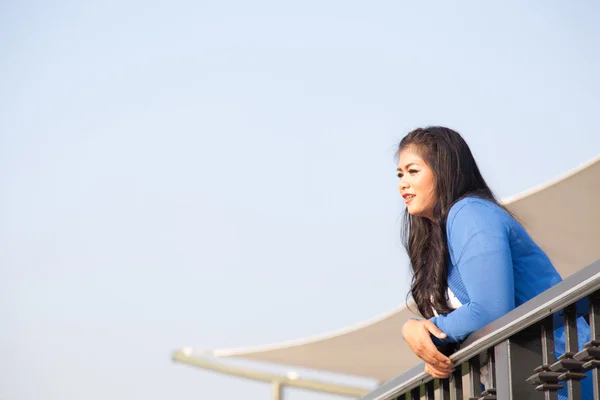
x: 517, y: 351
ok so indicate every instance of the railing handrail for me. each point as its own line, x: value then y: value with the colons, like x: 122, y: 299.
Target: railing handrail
x: 573, y: 288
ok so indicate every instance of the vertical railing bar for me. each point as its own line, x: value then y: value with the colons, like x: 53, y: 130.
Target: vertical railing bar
x: 444, y: 389
x: 492, y: 368
x: 429, y: 390
x: 570, y: 316
x: 550, y: 395
x: 596, y: 385
x: 503, y: 370
x: 415, y: 394
x: 594, y: 302
x: 456, y: 383
x: 474, y: 377
x: 548, y: 356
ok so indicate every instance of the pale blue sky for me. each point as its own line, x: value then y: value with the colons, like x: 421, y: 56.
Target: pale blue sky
x: 222, y: 174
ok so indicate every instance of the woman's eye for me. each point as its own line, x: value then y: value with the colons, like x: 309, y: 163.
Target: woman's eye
x: 412, y: 171
x: 399, y: 175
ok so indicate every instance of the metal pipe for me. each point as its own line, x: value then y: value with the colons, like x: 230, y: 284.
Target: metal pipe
x: 281, y: 380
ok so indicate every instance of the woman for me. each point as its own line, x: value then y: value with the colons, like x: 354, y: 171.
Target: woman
x: 472, y: 261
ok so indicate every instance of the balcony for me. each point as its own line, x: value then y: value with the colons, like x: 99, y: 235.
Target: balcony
x: 519, y: 352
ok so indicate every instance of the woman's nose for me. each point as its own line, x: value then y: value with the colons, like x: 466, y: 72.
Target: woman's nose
x: 402, y: 183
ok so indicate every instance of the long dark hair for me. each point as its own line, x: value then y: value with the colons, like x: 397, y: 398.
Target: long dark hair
x: 456, y: 176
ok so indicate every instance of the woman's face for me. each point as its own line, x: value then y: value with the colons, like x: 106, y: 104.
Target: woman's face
x: 416, y: 183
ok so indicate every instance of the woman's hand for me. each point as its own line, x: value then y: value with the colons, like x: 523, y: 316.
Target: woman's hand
x: 438, y: 372
x: 417, y: 336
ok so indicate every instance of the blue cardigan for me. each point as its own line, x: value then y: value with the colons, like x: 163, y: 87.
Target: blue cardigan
x: 494, y: 267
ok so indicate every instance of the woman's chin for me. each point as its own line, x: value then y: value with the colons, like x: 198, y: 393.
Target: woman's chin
x: 413, y: 211
x: 417, y: 213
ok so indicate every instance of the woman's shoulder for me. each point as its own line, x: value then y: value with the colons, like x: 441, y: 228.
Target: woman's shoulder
x: 474, y: 204
x: 472, y: 210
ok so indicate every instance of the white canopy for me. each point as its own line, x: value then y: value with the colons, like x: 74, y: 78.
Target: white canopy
x: 374, y: 349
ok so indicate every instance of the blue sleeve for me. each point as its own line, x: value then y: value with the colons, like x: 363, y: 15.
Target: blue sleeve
x: 478, y: 240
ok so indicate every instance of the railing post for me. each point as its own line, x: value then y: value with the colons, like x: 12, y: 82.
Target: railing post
x: 445, y: 389
x: 415, y: 394
x: 567, y: 364
x: 429, y: 390
x: 516, y: 358
x: 544, y: 379
x: 591, y: 354
x: 456, y: 383
x: 474, y: 378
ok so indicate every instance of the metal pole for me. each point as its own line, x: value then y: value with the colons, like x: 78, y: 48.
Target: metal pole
x: 317, y: 386
x: 277, y: 390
